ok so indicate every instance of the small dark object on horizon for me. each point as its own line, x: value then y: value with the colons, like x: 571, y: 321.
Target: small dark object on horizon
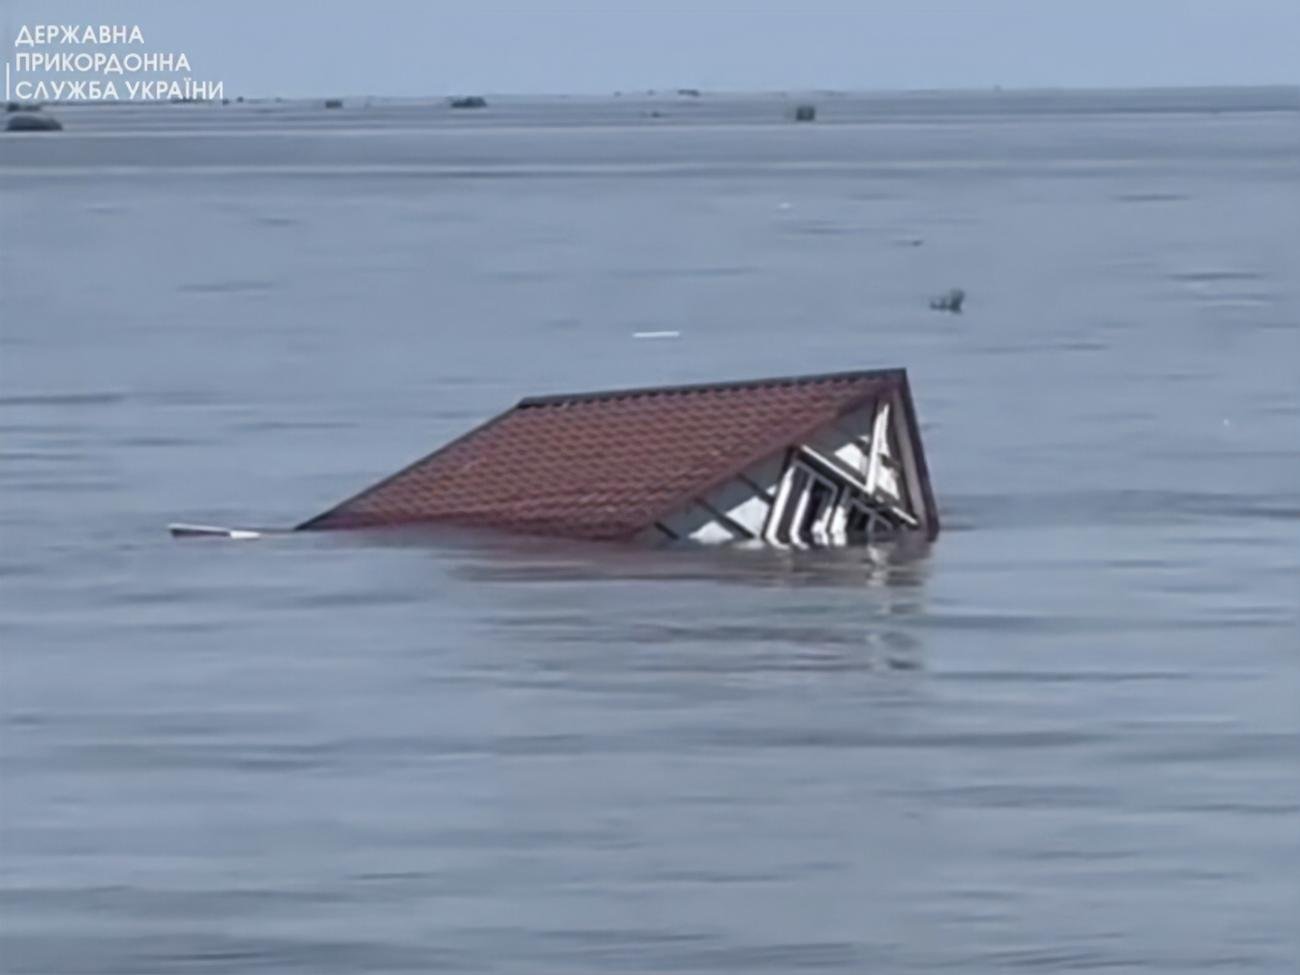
x: 689, y: 92
x: 950, y: 301
x: 31, y: 122
x: 468, y: 101
x: 22, y: 107
x: 334, y: 103
x: 805, y: 113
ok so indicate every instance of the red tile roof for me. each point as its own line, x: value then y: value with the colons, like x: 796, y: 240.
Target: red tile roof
x: 607, y: 465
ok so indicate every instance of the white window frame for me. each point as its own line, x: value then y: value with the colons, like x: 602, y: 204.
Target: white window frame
x: 820, y: 531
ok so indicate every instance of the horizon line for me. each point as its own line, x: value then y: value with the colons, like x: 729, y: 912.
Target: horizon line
x: 693, y: 92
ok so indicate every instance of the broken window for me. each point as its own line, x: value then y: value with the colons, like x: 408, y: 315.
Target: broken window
x: 820, y: 503
x: 806, y: 506
x: 792, y: 491
x: 818, y: 506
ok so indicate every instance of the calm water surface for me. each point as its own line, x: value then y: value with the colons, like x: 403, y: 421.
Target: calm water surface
x: 1064, y: 737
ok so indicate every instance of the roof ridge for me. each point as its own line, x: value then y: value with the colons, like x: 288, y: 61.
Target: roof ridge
x: 856, y: 375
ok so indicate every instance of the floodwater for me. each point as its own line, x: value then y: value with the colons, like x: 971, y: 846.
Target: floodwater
x: 1064, y: 737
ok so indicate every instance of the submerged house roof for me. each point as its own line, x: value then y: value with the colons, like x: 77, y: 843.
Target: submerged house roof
x: 620, y: 464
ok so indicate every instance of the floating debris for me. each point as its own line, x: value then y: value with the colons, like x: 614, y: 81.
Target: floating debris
x: 805, y: 113
x: 467, y: 101
x: 950, y: 301
x: 182, y: 529
x: 32, y: 122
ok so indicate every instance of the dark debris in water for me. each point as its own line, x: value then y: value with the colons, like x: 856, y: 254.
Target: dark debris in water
x: 26, y: 121
x: 950, y: 301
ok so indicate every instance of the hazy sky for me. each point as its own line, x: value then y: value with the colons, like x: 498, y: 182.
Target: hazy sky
x: 405, y: 47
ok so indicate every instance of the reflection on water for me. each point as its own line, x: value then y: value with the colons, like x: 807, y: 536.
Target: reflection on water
x: 492, y: 556
x: 873, y: 589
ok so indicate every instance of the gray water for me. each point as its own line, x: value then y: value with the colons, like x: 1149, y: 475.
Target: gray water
x: 1064, y: 737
